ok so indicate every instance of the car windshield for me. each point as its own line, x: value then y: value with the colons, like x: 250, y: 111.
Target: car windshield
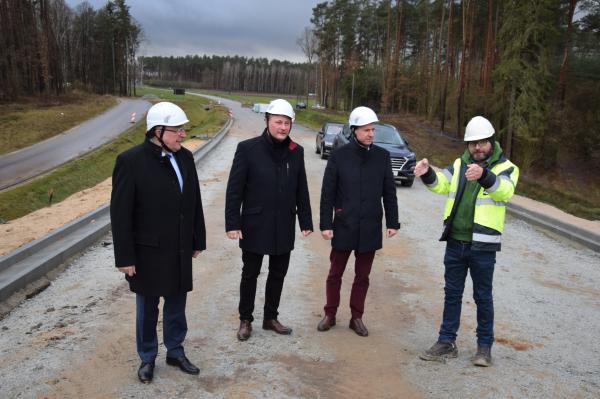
x: 387, y: 135
x: 332, y: 130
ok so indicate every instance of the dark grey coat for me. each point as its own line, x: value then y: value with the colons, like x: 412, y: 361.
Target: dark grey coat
x: 355, y: 182
x: 155, y: 226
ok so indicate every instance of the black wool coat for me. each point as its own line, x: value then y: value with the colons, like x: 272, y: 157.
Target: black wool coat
x: 354, y: 184
x: 267, y: 188
x: 155, y: 226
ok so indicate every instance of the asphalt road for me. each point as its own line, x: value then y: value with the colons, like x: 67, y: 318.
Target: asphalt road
x: 22, y: 165
x: 77, y: 338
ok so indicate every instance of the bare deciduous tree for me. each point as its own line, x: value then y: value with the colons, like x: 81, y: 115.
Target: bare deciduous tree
x: 308, y: 43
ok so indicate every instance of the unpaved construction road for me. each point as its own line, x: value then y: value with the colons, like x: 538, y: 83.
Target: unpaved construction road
x: 76, y: 339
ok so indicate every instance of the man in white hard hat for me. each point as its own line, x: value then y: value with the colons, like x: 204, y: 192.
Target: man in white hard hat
x: 267, y: 188
x: 158, y: 227
x: 357, y: 178
x: 478, y: 185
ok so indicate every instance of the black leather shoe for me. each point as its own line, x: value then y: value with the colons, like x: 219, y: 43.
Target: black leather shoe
x: 146, y: 372
x: 184, y: 364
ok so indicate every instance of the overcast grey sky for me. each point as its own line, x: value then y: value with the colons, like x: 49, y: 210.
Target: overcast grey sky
x: 251, y: 28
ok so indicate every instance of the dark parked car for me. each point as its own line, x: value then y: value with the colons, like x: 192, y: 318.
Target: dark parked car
x: 325, y: 137
x: 388, y: 137
x: 301, y: 105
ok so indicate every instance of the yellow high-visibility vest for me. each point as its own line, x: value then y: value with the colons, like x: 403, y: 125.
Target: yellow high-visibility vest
x: 490, y: 205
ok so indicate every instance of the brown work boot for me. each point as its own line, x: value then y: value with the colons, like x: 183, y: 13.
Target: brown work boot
x: 276, y: 326
x: 440, y: 351
x: 359, y: 327
x: 483, y: 357
x: 326, y: 323
x: 245, y: 330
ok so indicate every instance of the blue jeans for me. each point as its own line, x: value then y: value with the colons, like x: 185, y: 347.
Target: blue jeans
x: 460, y: 258
x: 174, y: 325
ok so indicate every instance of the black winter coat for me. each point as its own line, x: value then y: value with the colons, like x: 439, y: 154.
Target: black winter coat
x: 355, y: 181
x: 266, y: 189
x: 155, y: 226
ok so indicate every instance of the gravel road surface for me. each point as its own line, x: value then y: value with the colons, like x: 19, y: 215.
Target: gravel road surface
x: 76, y: 338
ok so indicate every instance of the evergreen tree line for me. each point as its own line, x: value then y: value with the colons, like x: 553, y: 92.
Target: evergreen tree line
x: 46, y: 47
x: 230, y: 73
x: 530, y: 66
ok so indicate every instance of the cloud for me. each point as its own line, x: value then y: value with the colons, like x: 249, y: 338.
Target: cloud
x: 260, y: 28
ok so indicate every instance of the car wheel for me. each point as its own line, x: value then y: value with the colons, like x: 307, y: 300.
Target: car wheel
x: 323, y: 156
x: 407, y: 183
x: 317, y: 148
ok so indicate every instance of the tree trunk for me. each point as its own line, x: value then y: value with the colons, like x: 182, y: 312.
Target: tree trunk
x: 447, y: 67
x: 426, y: 78
x: 397, y: 52
x: 385, y: 65
x: 489, y: 50
x: 438, y: 64
x: 564, y: 68
x: 466, y: 4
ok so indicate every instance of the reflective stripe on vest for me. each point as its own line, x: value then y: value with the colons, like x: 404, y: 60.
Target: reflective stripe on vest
x: 496, y: 239
x: 489, y: 201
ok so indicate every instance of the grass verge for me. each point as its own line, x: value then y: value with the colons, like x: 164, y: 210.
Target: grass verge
x: 36, y: 119
x: 577, y: 202
x: 97, y: 165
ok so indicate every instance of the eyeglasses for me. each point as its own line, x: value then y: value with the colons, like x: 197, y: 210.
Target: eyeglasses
x: 480, y: 143
x: 178, y: 130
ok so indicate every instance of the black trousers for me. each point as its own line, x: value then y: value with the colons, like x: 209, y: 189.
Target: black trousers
x: 278, y: 266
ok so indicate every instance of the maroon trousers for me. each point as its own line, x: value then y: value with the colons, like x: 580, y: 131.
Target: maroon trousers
x: 362, y: 269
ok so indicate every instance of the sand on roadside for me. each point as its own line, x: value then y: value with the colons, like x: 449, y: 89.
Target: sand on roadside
x: 36, y: 225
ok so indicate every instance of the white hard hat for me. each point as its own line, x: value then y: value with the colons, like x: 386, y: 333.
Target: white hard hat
x: 281, y: 107
x: 165, y: 114
x: 361, y: 116
x: 478, y: 128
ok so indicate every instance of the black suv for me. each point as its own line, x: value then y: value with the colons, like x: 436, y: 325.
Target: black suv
x: 387, y: 136
x: 325, y: 137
